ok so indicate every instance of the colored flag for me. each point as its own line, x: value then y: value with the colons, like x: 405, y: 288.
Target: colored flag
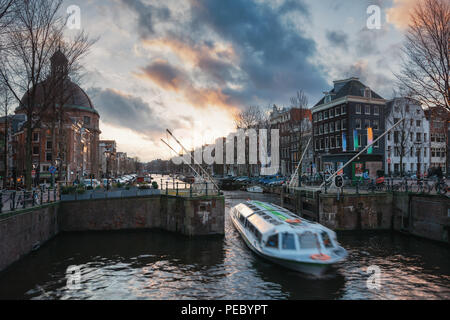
x: 355, y: 140
x: 344, y: 142
x: 369, y: 140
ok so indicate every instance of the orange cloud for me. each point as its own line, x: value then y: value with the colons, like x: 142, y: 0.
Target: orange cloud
x: 193, y: 55
x: 169, y: 77
x: 399, y: 14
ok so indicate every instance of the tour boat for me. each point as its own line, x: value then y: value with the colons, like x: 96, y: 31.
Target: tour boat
x: 284, y: 238
x: 255, y: 189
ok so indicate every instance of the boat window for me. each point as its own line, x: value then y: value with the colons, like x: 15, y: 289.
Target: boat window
x: 288, y: 241
x: 242, y: 219
x: 308, y: 240
x: 272, y: 241
x: 326, y: 240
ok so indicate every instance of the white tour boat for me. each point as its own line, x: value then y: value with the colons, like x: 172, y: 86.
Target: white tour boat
x: 284, y: 238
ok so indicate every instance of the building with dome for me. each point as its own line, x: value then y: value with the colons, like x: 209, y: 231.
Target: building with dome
x: 66, y: 138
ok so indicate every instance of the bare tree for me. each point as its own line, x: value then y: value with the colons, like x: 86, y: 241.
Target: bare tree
x: 426, y: 62
x: 5, y: 11
x: 6, y: 101
x: 403, y: 134
x: 248, y: 118
x: 25, y: 65
x: 302, y: 129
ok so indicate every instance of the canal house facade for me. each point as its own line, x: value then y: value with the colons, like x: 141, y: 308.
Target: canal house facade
x: 408, y: 145
x: 341, y: 120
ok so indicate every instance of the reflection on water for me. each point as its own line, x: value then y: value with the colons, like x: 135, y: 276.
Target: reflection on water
x: 161, y: 265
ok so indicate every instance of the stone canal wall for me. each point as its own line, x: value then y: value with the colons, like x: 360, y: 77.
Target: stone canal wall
x: 356, y: 212
x: 188, y: 216
x: 26, y: 231
x: 426, y: 216
x: 423, y: 215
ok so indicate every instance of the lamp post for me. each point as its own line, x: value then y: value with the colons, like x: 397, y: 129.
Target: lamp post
x: 418, y: 144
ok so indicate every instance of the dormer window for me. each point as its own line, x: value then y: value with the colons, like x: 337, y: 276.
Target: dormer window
x: 328, y: 99
x: 368, y: 93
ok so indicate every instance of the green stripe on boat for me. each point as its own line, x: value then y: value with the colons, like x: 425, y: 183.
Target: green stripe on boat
x: 271, y: 210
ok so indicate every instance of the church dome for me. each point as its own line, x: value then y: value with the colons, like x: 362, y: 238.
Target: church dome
x: 74, y: 97
x: 70, y: 94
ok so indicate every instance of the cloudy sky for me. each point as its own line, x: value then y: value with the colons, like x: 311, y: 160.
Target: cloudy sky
x: 188, y: 65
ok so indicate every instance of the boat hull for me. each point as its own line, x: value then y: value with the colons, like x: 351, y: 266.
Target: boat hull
x: 315, y: 269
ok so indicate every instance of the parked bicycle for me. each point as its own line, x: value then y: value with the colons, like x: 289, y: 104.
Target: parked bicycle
x: 440, y: 186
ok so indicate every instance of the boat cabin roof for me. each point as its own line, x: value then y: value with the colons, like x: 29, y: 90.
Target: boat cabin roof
x: 267, y: 216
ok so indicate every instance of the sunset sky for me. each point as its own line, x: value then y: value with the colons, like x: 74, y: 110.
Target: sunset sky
x: 188, y: 65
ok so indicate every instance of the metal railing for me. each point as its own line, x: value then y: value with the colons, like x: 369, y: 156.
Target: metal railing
x: 406, y: 185
x: 110, y: 194
x: 181, y: 189
x: 11, y: 201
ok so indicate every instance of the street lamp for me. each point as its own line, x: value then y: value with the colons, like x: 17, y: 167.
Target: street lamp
x: 418, y: 144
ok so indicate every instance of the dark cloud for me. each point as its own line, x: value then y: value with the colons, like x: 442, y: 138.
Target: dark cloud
x: 172, y: 78
x: 126, y: 111
x: 149, y: 15
x: 338, y: 39
x: 166, y: 75
x: 272, y: 55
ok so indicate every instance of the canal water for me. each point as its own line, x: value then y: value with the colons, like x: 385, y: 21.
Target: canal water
x: 160, y: 265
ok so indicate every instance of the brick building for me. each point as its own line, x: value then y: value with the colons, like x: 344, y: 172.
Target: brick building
x: 67, y: 138
x: 340, y: 122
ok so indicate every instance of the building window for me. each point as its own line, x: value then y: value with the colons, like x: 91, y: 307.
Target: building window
x: 376, y: 110
x: 48, y: 157
x: 331, y: 127
x: 367, y: 111
x: 338, y: 141
x: 418, y: 137
x: 321, y: 129
x: 338, y: 126
x: 326, y: 143
x: 377, y: 144
x: 332, y: 143
x: 358, y: 123
x: 358, y: 109
x: 344, y: 124
x: 35, y: 136
x: 87, y: 121
x: 418, y: 123
x: 375, y: 125
x: 338, y: 111
x: 367, y: 124
x: 331, y: 113
x: 35, y: 151
x: 407, y: 108
x: 320, y: 116
x: 49, y: 145
x: 424, y: 137
x: 368, y: 93
x: 325, y: 128
x: 344, y: 109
